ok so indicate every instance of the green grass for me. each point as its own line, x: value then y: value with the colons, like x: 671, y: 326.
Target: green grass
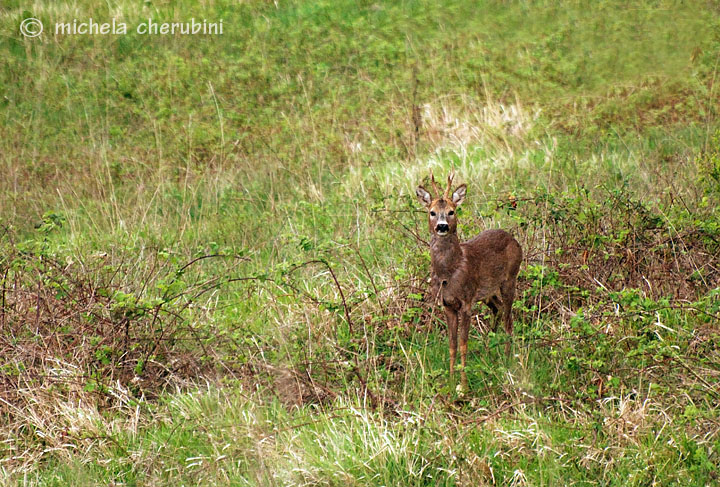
x: 283, y: 155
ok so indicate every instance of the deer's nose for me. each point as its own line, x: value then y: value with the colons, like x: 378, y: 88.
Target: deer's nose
x: 442, y: 228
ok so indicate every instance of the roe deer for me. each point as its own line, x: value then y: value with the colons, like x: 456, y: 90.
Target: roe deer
x: 484, y: 268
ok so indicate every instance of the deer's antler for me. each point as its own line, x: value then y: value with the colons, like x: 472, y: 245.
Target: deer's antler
x: 451, y: 176
x: 436, y: 188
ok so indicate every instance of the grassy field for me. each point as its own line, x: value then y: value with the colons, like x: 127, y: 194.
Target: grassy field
x: 214, y: 266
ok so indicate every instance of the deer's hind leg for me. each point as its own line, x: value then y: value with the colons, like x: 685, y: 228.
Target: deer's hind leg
x: 495, y: 306
x: 507, y: 290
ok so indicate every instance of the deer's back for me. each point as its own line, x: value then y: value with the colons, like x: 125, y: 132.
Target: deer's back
x: 493, y: 255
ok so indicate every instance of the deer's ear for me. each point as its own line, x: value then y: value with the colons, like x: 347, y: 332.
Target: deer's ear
x: 459, y: 195
x: 423, y: 196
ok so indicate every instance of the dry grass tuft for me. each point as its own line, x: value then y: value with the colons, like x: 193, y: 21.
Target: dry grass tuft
x: 466, y: 123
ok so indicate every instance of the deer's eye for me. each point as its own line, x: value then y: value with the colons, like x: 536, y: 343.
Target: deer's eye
x: 432, y: 213
x: 451, y: 213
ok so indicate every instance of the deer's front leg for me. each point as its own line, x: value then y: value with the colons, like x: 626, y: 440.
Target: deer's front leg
x: 464, y: 322
x: 452, y: 323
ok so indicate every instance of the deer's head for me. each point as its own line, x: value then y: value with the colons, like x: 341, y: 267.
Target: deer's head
x: 442, y: 217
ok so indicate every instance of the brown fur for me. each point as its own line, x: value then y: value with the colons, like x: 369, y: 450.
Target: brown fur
x: 483, y: 268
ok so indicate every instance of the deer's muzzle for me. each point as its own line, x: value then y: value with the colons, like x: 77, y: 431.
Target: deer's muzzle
x: 442, y: 228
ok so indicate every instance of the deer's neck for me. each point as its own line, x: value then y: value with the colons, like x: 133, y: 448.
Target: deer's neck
x: 445, y: 255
